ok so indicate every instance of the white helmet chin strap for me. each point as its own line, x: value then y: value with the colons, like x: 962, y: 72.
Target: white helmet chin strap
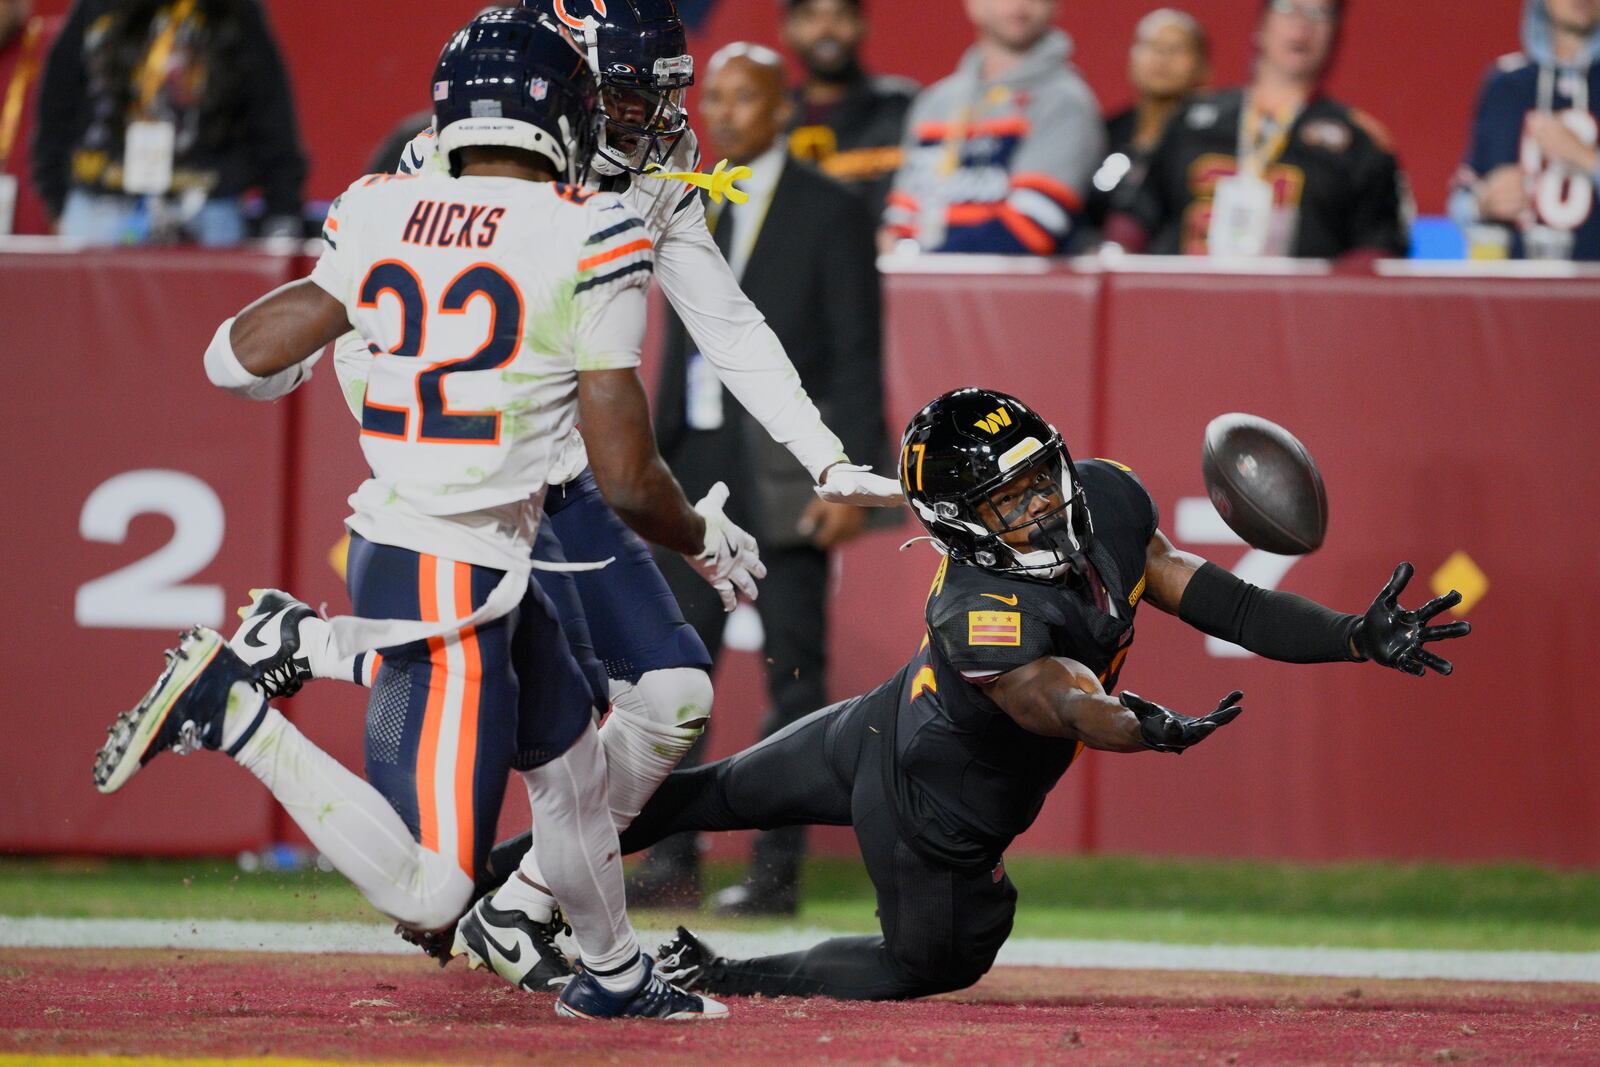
x: 591, y: 43
x: 1041, y: 563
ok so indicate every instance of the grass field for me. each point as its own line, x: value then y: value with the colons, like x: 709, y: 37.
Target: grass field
x: 1350, y: 905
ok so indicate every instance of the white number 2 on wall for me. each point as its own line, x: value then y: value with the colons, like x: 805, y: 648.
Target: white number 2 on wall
x: 149, y: 593
x: 1199, y: 524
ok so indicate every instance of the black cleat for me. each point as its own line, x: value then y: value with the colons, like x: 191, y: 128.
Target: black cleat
x: 515, y: 947
x: 434, y: 944
x: 683, y: 960
x: 183, y: 711
x: 271, y: 643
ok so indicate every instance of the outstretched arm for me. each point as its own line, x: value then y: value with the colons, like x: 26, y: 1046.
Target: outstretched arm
x: 1294, y: 629
x: 1062, y: 698
x: 750, y: 360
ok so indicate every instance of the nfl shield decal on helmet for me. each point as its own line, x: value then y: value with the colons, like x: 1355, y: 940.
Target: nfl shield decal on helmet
x: 539, y: 88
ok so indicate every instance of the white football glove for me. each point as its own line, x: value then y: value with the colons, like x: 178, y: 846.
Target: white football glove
x: 730, y: 560
x: 847, y: 483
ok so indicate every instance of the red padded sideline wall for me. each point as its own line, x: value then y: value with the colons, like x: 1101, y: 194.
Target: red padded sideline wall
x: 141, y: 501
x: 1447, y: 416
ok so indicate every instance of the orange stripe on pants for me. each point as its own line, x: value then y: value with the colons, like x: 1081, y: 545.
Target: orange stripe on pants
x: 428, y: 748
x: 467, y: 746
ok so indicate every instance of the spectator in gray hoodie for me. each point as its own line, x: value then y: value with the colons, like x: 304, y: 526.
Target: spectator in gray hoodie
x: 998, y: 156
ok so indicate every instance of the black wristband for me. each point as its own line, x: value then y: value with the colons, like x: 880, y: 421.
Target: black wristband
x: 1268, y: 622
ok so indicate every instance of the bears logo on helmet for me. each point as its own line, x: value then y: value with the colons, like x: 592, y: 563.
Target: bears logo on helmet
x: 640, y: 51
x: 580, y: 21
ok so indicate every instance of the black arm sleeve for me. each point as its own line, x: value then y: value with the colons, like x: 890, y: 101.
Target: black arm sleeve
x: 1268, y: 622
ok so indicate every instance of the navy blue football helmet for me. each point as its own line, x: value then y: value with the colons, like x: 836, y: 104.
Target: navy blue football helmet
x: 640, y: 52
x: 514, y: 78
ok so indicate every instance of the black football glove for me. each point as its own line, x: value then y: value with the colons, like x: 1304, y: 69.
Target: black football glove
x: 1166, y: 731
x: 1391, y: 636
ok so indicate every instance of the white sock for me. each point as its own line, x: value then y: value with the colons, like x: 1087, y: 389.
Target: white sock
x: 624, y: 979
x: 651, y: 728
x: 533, y: 900
x: 349, y: 821
x: 640, y: 751
x: 316, y: 642
x: 576, y: 843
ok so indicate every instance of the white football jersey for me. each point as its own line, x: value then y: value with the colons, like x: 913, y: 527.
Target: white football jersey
x: 479, y: 301
x: 728, y: 329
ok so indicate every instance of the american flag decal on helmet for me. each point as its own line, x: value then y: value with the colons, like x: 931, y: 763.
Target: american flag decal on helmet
x: 441, y: 90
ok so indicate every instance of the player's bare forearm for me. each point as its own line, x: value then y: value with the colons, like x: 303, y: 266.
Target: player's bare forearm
x: 287, y: 326
x: 1167, y: 572
x: 1061, y: 698
x: 631, y: 475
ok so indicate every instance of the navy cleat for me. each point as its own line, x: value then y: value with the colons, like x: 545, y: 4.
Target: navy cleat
x: 183, y: 711
x: 683, y: 960
x: 271, y: 643
x: 654, y: 998
x: 515, y: 947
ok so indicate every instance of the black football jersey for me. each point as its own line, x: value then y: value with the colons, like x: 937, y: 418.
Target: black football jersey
x: 1334, y: 169
x: 964, y: 778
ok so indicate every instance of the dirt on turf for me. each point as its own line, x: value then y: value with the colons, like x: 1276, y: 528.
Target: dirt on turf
x: 395, y: 1009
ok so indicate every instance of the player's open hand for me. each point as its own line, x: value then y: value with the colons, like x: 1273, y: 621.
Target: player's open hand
x: 1391, y: 636
x: 1166, y: 731
x: 730, y: 560
x: 850, y: 483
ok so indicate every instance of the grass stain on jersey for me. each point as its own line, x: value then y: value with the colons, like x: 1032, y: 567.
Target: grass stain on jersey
x: 355, y: 395
x: 553, y: 322
x: 476, y: 474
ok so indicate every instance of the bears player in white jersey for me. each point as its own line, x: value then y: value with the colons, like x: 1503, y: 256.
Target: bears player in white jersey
x: 502, y: 301
x: 621, y: 620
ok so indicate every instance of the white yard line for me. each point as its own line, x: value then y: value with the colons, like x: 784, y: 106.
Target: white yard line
x: 239, y: 936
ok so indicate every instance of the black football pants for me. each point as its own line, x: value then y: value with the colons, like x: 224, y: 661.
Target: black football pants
x: 942, y: 926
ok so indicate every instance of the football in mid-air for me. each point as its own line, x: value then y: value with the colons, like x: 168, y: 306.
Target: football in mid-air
x: 1264, y: 484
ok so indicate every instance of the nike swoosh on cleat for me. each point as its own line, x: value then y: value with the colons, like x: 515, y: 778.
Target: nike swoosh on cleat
x: 510, y: 955
x: 1011, y: 600
x: 252, y: 635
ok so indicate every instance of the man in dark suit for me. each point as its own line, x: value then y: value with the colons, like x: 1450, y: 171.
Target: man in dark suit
x: 803, y: 249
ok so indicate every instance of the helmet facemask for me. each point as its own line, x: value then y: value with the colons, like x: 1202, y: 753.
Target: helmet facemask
x: 1037, y: 520
x: 642, y: 127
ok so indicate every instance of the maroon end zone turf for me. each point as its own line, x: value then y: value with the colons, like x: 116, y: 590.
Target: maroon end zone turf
x: 396, y: 1009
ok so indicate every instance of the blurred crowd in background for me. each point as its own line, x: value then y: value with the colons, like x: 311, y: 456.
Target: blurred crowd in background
x: 160, y: 121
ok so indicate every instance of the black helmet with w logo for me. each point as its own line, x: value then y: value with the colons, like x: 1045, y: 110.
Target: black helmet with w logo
x: 994, y: 485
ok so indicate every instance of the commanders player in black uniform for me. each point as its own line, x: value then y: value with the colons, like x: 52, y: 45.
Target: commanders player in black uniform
x: 1334, y: 183
x: 1029, y: 621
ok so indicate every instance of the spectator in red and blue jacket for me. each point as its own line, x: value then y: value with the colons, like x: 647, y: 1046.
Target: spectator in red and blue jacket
x: 1533, y: 163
